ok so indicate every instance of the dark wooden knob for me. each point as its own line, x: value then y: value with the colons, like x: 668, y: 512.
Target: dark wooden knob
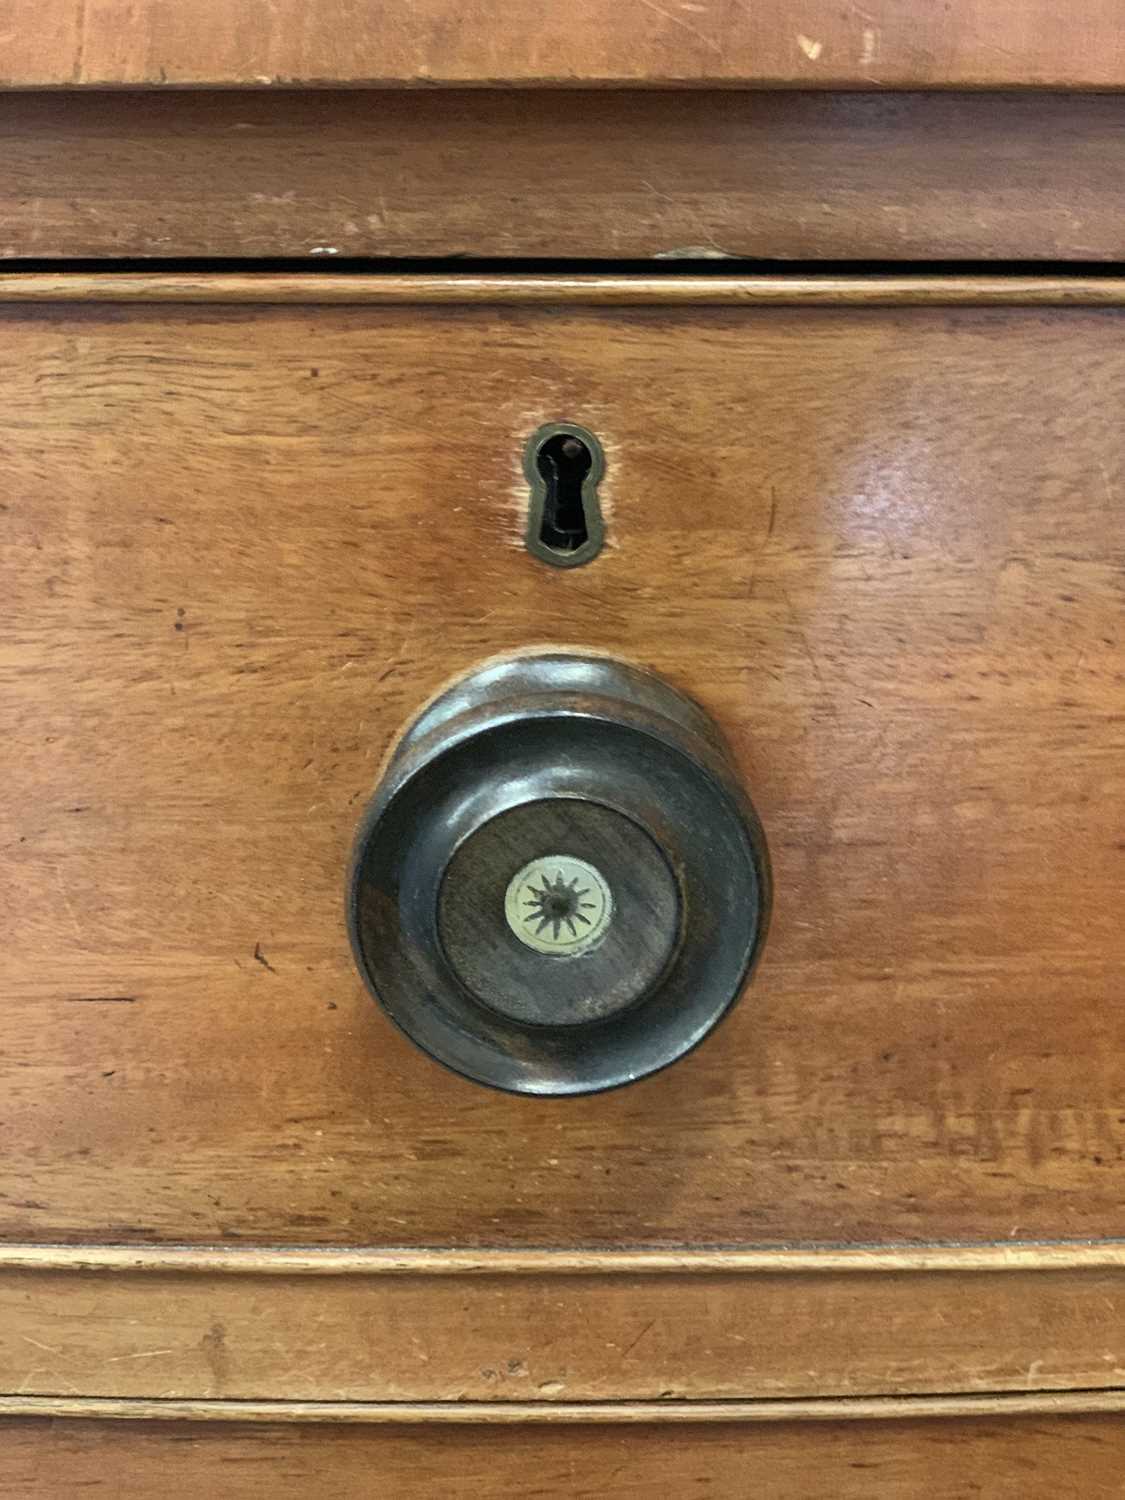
x: 559, y: 886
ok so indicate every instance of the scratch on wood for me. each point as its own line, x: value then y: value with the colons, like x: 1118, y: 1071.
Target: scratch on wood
x: 646, y: 1329
x: 262, y: 959
x: 101, y: 999
x: 35, y: 1344
x: 67, y: 902
x: 80, y: 41
x: 684, y: 26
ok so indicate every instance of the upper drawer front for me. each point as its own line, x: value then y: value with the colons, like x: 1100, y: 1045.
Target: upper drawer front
x: 242, y: 545
x: 901, y: 43
x: 1028, y: 1459
x: 621, y: 175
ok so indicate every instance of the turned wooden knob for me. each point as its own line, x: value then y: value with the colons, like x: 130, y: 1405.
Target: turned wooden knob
x: 559, y: 885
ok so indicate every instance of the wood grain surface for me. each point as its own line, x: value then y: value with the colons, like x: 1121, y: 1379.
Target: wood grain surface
x: 1028, y: 1458
x: 883, y: 548
x: 551, y: 1339
x: 618, y: 174
x: 967, y: 43
x: 553, y: 289
x: 664, y: 1413
x: 329, y: 1260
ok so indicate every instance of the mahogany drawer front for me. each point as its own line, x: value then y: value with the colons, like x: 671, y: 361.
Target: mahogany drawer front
x: 882, y: 546
x: 866, y: 1238
x: 375, y: 1336
x: 1018, y: 1458
x: 324, y: 176
x: 889, y: 44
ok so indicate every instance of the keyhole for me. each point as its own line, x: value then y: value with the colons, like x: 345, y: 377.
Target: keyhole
x: 564, y: 464
x: 564, y: 461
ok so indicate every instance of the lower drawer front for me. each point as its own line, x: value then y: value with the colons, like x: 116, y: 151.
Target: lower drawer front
x: 883, y: 547
x: 1023, y: 1458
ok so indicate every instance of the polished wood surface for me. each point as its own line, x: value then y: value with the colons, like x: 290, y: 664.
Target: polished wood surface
x: 680, y: 288
x: 883, y: 547
x: 967, y: 43
x: 329, y: 1260
x: 1028, y: 1458
x: 810, y: 1411
x: 622, y: 174
x: 554, y: 1338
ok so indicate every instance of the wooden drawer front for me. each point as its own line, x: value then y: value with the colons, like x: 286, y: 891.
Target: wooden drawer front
x: 1024, y: 1458
x: 883, y: 547
x: 634, y: 175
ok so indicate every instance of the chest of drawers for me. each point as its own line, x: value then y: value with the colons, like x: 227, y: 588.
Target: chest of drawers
x: 265, y: 433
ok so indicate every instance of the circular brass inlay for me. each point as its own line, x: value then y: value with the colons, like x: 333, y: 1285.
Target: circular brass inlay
x: 559, y: 905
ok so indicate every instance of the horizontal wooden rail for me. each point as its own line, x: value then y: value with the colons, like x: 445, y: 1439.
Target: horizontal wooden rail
x: 608, y: 290
x: 519, y: 1328
x: 295, y: 1260
x: 567, y: 1413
